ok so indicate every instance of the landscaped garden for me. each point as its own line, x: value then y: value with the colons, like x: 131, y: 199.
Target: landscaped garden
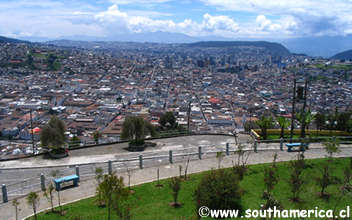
x: 299, y: 184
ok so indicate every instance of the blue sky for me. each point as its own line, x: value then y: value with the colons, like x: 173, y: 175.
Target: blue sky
x: 253, y: 19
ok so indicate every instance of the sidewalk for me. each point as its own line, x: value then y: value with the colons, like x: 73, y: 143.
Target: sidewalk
x: 87, y: 188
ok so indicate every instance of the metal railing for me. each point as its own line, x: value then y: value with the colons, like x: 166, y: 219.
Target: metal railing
x: 135, y: 160
x: 87, y: 171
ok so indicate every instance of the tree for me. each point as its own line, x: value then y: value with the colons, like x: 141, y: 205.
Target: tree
x: 332, y: 146
x: 324, y: 180
x: 320, y: 119
x: 346, y: 188
x: 135, y: 129
x: 240, y: 166
x: 284, y: 123
x: 98, y: 177
x: 48, y: 193
x: 112, y: 190
x: 33, y: 200
x: 168, y: 120
x: 270, y: 178
x: 219, y: 189
x: 305, y: 119
x: 264, y: 123
x: 15, y: 204
x: 53, y: 134
x: 248, y: 125
x: 219, y: 156
x: 175, y: 185
x: 96, y: 136
x: 295, y: 181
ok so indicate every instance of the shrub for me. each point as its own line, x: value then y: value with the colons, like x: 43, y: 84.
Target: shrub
x: 295, y: 181
x: 175, y: 185
x: 324, y: 181
x: 219, y: 189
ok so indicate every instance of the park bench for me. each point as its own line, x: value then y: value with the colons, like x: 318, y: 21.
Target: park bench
x: 302, y: 146
x: 59, y: 181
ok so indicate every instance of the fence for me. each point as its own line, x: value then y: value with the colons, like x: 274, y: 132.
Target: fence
x: 43, y: 177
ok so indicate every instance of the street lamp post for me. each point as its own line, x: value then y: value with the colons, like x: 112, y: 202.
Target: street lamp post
x: 32, y: 132
x: 293, y: 107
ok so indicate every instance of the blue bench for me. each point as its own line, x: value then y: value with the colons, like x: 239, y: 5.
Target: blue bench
x: 302, y: 146
x: 73, y: 178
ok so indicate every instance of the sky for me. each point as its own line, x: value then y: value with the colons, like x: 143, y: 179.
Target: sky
x: 252, y: 19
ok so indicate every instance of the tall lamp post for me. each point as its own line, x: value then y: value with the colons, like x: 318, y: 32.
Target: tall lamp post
x: 303, y: 122
x: 301, y: 95
x: 32, y: 132
x: 293, y: 107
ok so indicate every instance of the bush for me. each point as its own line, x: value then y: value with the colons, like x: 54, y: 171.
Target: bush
x: 219, y: 189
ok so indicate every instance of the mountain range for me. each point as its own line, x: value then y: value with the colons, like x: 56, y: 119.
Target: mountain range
x: 325, y: 46
x: 345, y: 55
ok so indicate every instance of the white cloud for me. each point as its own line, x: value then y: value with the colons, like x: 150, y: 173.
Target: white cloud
x: 111, y: 15
x: 312, y: 17
x: 125, y: 2
x: 218, y: 25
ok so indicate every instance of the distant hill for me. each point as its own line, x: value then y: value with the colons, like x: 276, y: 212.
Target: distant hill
x: 11, y: 40
x: 345, y: 55
x: 273, y: 48
x: 324, y: 46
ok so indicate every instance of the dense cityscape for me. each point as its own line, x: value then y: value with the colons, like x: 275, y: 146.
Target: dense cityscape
x: 175, y: 109
x: 214, y: 88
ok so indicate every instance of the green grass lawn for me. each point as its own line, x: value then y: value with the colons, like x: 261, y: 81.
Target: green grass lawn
x: 150, y: 202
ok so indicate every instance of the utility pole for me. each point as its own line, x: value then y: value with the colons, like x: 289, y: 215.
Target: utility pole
x: 32, y: 132
x: 293, y: 108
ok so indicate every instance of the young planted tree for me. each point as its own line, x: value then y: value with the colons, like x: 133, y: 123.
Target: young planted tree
x: 240, y: 166
x: 112, y: 190
x: 219, y: 189
x: 49, y: 195
x: 324, y: 181
x: 99, y: 174
x: 332, y: 146
x: 180, y: 171
x: 33, y: 201
x: 15, y: 204
x: 270, y: 178
x: 283, y: 123
x: 271, y: 202
x: 346, y: 188
x: 186, y: 169
x: 175, y: 185
x: 96, y: 136
x: 158, y: 178
x: 129, y: 174
x: 219, y: 156
x: 123, y: 209
x: 53, y: 136
x: 265, y: 123
x: 296, y: 180
x: 55, y: 173
x: 135, y: 129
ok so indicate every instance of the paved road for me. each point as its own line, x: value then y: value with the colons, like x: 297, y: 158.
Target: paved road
x: 21, y: 172
x: 87, y: 188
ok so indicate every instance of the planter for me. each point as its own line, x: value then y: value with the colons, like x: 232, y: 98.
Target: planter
x: 58, y: 154
x: 137, y: 148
